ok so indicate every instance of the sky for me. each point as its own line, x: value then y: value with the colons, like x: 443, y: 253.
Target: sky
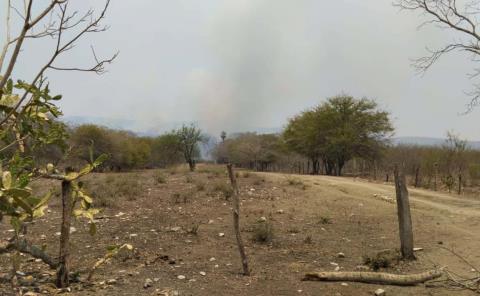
x: 248, y: 65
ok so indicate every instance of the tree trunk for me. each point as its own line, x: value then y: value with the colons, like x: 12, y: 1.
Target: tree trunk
x: 404, y: 216
x: 191, y: 165
x: 417, y: 173
x: 236, y: 220
x: 63, y: 259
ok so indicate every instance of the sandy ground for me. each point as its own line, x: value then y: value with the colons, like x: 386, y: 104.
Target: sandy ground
x: 312, y: 221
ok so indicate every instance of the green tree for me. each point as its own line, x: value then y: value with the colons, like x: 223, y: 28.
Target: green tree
x: 189, y: 137
x: 337, y: 131
x: 166, y: 150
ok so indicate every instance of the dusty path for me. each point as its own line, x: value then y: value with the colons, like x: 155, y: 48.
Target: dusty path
x: 458, y: 217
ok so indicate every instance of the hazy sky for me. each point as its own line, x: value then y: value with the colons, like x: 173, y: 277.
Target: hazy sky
x: 247, y: 64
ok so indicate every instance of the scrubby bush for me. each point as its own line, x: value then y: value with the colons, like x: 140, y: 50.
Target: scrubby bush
x: 263, y: 232
x: 224, y: 188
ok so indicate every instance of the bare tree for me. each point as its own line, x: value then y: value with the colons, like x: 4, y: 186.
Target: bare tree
x: 189, y: 137
x: 54, y: 21
x: 459, y: 16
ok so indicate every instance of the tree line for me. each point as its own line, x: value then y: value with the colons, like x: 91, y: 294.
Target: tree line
x: 125, y: 149
x: 348, y: 136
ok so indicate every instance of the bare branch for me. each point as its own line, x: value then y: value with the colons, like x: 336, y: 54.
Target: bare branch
x: 7, y: 41
x: 446, y: 14
x: 64, y: 24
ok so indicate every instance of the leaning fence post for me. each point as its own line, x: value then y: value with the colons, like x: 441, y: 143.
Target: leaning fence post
x: 63, y: 259
x: 236, y: 219
x: 404, y: 216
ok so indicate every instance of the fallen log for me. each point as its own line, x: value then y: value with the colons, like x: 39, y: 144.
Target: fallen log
x: 27, y: 248
x: 374, y: 277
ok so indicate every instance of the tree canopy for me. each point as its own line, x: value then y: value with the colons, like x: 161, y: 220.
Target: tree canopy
x: 338, y: 130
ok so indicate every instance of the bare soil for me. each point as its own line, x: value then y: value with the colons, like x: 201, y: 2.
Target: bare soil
x: 313, y: 218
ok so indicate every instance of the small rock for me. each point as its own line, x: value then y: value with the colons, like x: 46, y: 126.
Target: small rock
x: 202, y: 273
x: 380, y: 292
x: 147, y: 284
x: 133, y: 235
x: 212, y: 259
x: 262, y: 219
x: 280, y: 211
x: 221, y: 234
x: 43, y: 237
x: 341, y: 255
x: 210, y: 221
x: 337, y: 268
x: 333, y: 263
x: 344, y: 284
x: 111, y: 282
x: 73, y: 230
x: 417, y: 249
x: 181, y: 277
x: 175, y: 229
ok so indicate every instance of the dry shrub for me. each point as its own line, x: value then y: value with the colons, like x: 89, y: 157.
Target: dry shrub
x: 180, y: 197
x: 159, y: 177
x: 105, y: 191
x: 263, y: 232
x: 324, y: 220
x: 382, y: 259
x: 224, y: 188
x: 294, y: 181
x: 200, y: 186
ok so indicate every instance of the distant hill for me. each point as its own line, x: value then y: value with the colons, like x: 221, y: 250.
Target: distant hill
x: 427, y: 141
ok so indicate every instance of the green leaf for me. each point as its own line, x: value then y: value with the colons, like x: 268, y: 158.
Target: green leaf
x: 78, y: 213
x: 72, y: 176
x: 86, y: 170
x: 101, y: 159
x: 87, y: 198
x: 7, y: 180
x: 16, y: 224
x: 39, y: 212
x: 18, y: 193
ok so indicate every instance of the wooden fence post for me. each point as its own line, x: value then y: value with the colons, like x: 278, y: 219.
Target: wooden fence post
x: 404, y: 216
x: 236, y: 219
x: 63, y: 259
x: 459, y: 183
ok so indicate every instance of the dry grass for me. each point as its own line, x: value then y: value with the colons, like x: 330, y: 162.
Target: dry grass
x: 224, y: 188
x: 105, y: 190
